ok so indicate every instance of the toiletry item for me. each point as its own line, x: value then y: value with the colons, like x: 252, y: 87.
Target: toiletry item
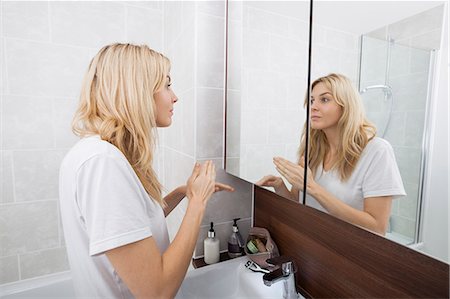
x: 260, y: 245
x: 252, y: 247
x: 211, y: 247
x: 235, y: 241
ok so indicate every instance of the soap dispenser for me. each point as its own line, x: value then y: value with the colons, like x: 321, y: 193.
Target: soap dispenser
x: 211, y: 247
x: 235, y: 242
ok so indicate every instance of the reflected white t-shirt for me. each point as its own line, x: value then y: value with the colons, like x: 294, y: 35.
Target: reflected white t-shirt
x: 376, y: 174
x: 103, y: 206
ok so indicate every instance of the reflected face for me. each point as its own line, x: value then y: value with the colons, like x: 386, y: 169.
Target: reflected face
x: 325, y: 111
x: 164, y: 100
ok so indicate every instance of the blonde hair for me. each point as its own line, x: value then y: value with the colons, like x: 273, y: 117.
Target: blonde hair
x: 117, y: 103
x: 354, y: 128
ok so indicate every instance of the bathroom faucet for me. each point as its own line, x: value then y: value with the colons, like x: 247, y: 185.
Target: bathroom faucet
x: 284, y: 273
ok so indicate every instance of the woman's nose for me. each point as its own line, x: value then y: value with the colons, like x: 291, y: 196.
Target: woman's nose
x: 174, y: 97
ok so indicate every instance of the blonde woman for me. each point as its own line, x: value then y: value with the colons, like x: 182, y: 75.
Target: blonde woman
x: 110, y: 197
x: 353, y: 175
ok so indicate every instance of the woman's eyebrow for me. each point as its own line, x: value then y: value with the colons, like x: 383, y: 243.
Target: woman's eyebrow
x: 322, y: 94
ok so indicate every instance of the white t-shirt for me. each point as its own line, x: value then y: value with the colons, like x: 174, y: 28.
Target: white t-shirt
x: 103, y: 206
x: 376, y: 174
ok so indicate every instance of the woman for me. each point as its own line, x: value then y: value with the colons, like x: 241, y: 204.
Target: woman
x: 353, y: 175
x: 110, y: 196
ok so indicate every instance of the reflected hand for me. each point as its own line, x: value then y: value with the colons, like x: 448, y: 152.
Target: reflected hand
x: 223, y: 187
x: 293, y: 172
x: 270, y: 181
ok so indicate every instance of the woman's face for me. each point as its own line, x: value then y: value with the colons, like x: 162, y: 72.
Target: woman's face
x: 164, y: 100
x: 325, y: 111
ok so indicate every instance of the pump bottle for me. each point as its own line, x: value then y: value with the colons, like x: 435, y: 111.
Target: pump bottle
x: 235, y: 241
x: 211, y: 247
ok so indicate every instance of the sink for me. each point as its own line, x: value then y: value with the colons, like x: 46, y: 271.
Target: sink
x: 229, y: 279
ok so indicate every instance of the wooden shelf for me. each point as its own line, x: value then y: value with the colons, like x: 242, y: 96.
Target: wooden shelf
x: 200, y: 262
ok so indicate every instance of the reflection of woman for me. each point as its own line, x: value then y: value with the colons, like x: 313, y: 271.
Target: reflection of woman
x: 110, y: 197
x: 353, y: 175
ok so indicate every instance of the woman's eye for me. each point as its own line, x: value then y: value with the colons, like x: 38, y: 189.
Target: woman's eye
x: 325, y: 100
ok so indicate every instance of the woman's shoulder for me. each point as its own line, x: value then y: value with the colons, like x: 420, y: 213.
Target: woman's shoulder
x: 378, y: 143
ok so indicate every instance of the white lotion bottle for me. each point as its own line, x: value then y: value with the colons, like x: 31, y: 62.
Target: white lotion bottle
x: 211, y: 247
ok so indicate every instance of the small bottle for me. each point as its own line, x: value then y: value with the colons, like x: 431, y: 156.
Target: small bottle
x: 235, y: 242
x: 211, y: 247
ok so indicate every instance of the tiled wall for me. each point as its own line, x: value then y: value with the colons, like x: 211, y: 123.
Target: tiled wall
x: 408, y: 76
x: 197, y: 130
x: 45, y: 50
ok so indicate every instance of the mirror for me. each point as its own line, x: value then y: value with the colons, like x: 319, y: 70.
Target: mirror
x: 267, y: 68
x: 390, y: 52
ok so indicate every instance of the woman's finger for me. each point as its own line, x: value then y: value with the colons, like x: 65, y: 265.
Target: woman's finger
x: 220, y: 187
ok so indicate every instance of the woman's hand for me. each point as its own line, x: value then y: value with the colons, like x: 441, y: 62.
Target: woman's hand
x: 223, y: 187
x: 294, y: 173
x: 275, y: 182
x: 201, y: 184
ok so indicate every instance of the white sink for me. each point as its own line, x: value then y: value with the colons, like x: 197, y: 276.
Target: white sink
x: 229, y: 279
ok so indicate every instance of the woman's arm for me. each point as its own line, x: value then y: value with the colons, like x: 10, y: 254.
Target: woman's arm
x: 146, y: 271
x: 174, y: 198
x: 375, y: 215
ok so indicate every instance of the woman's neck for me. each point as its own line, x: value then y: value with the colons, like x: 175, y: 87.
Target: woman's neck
x: 332, y: 138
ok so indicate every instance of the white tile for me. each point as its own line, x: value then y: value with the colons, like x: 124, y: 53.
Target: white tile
x: 43, y: 262
x: 145, y: 26
x: 266, y: 21
x: 232, y: 166
x: 288, y: 55
x: 210, y: 124
x: 285, y: 125
x: 341, y: 40
x: 6, y: 177
x: 41, y: 69
x: 235, y: 10
x: 27, y: 227
x: 188, y: 123
x: 64, y: 111
x: 395, y: 132
x: 26, y: 20
x: 254, y: 126
x: 177, y: 168
x: 414, y: 128
x: 212, y: 7
x: 410, y: 91
x: 420, y: 60
x: 400, y: 57
x: 9, y: 269
x: 299, y: 29
x: 27, y: 122
x: 403, y: 226
x: 235, y: 53
x: 87, y: 24
x: 257, y: 161
x: 153, y: 4
x: 4, y: 79
x: 266, y: 89
x: 408, y: 161
x: 173, y: 27
x: 324, y: 62
x: 210, y: 55
x: 233, y: 120
x: 256, y: 46
x: 36, y: 174
x: 408, y: 204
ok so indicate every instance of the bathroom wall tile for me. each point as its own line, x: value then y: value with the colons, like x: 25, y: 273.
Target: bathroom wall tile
x: 232, y: 166
x: 395, y: 207
x: 420, y: 61
x: 144, y: 26
x: 41, y: 69
x: 408, y: 161
x: 349, y: 65
x: 252, y: 167
x: 403, y: 226
x: 3, y: 74
x: 414, y: 128
x: 64, y: 111
x: 177, y: 168
x: 319, y: 35
x: 27, y: 122
x: 410, y: 91
x: 223, y: 205
x: 6, y: 177
x: 235, y: 10
x: 26, y: 20
x: 43, y: 262
x: 266, y: 89
x: 417, y: 24
x: 233, y: 113
x: 284, y: 125
x: 296, y: 90
x: 256, y: 49
x: 173, y: 27
x: 428, y: 41
x: 288, y: 55
x: 299, y: 29
x: 223, y: 231
x: 254, y: 127
x: 210, y: 51
x: 154, y: 4
x: 214, y: 7
x: 408, y: 204
x: 324, y: 62
x: 36, y: 174
x: 291, y: 151
x: 9, y: 269
x: 209, y: 123
x: 182, y: 62
x: 87, y: 24
x: 400, y: 60
x: 395, y: 132
x: 266, y: 21
x: 175, y: 218
x: 341, y: 40
x: 26, y: 227
x: 373, y: 61
x: 235, y: 53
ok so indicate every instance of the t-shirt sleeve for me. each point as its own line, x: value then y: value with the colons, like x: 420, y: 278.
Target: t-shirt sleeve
x: 382, y: 177
x: 111, y: 203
